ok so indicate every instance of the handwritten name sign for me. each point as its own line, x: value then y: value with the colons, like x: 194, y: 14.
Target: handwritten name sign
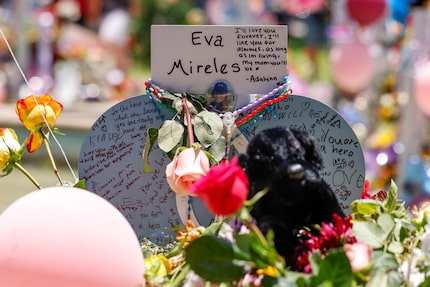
x: 343, y: 159
x: 251, y: 59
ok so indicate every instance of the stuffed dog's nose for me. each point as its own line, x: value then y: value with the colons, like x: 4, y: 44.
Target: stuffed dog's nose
x: 295, y: 171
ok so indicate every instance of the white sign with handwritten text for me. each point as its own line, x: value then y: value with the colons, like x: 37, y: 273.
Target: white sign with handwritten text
x: 343, y: 159
x: 251, y: 59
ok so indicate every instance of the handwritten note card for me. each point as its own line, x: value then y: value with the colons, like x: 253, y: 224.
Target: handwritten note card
x: 111, y: 162
x: 344, y: 166
x: 251, y: 59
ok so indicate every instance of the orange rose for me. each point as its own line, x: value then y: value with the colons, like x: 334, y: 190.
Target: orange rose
x: 35, y: 112
x: 188, y: 166
x: 9, y: 148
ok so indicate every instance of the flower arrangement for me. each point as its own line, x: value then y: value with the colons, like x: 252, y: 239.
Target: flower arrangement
x: 381, y: 243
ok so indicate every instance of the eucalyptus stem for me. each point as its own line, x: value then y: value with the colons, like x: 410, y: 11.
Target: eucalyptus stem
x: 54, y: 166
x: 28, y: 175
x: 188, y: 120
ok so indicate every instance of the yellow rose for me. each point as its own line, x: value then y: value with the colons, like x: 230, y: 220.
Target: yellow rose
x: 35, y: 112
x: 8, y: 144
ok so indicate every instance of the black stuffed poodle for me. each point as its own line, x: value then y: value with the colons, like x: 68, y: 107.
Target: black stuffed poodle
x: 288, y: 162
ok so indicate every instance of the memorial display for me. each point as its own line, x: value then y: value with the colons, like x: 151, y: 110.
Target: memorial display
x: 218, y: 174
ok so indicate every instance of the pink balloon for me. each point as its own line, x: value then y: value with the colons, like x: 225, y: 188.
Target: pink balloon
x: 422, y: 87
x: 295, y: 7
x: 351, y: 66
x: 69, y: 237
x: 366, y: 12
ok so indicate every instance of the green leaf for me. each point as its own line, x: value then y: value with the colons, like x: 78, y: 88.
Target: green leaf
x: 216, y: 259
x: 365, y: 206
x: 212, y: 159
x: 262, y: 254
x: 80, y: 184
x: 217, y: 149
x: 170, y: 96
x: 380, y: 279
x: 208, y: 127
x: 391, y: 200
x: 369, y: 232
x: 384, y: 261
x: 334, y: 270
x: 151, y: 137
x: 169, y: 135
x: 213, y: 228
x: 425, y: 283
x: 395, y: 247
x: 386, y: 224
x: 287, y: 281
x: 252, y: 201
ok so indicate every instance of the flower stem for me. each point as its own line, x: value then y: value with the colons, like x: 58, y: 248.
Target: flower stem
x: 257, y: 231
x: 28, y: 175
x: 188, y: 120
x: 54, y: 166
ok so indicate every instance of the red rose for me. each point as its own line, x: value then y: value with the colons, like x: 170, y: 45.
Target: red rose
x: 224, y: 189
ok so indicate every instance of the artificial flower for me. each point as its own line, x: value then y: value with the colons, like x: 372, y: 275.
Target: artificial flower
x: 359, y: 255
x: 36, y: 112
x: 187, y: 167
x: 224, y: 189
x: 9, y: 148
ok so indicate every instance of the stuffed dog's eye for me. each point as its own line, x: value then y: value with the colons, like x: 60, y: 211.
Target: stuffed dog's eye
x: 295, y: 171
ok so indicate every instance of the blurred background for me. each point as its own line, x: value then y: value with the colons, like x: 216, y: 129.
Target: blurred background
x: 368, y: 59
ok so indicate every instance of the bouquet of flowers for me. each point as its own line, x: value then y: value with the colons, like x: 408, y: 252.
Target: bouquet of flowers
x: 381, y: 243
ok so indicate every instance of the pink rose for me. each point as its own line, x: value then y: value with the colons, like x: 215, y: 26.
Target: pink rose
x: 188, y: 166
x: 359, y: 255
x: 224, y: 189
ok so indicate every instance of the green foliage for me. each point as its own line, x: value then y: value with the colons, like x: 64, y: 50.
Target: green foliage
x: 385, y: 225
x: 207, y: 129
x: 333, y: 270
x: 151, y: 137
x: 216, y: 259
x: 170, y: 135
